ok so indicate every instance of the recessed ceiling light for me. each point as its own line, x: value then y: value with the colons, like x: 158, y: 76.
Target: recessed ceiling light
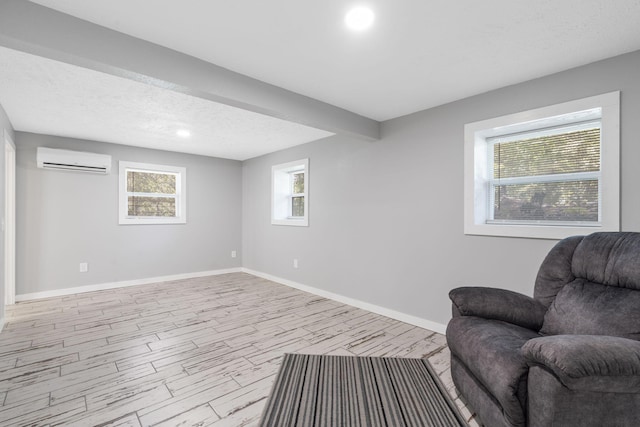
x: 359, y: 18
x: 183, y: 133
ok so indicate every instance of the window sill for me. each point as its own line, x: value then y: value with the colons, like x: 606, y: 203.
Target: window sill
x: 301, y: 222
x: 534, y: 231
x: 151, y: 221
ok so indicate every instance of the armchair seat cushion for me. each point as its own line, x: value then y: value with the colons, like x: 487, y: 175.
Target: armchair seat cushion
x: 490, y: 349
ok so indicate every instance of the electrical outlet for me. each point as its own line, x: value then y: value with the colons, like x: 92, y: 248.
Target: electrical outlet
x: 233, y: 254
x: 84, y: 267
x: 295, y: 263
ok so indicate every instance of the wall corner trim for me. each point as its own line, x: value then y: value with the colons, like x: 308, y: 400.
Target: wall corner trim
x: 387, y: 312
x: 122, y: 284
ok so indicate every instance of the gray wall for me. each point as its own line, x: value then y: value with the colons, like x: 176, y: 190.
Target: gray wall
x: 65, y: 218
x: 4, y: 124
x: 386, y: 217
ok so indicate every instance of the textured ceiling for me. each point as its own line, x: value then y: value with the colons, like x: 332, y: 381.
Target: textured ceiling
x: 55, y: 98
x: 417, y: 55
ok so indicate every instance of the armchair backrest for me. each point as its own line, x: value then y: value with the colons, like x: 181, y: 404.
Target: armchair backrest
x: 555, y: 271
x: 591, y: 285
x: 611, y: 259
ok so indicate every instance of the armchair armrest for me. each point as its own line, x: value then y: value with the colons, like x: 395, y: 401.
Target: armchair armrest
x: 588, y: 362
x: 498, y: 304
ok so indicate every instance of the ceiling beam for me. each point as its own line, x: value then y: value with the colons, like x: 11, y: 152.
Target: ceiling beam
x: 38, y: 30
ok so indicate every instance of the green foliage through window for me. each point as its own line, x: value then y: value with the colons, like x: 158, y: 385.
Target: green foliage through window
x: 297, y: 206
x: 562, y: 153
x: 525, y: 187
x: 151, y: 194
x: 549, y: 201
x: 298, y: 183
x: 297, y: 190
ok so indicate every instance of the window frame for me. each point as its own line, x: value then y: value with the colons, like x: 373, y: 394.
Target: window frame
x: 478, y: 171
x: 282, y: 194
x: 123, y: 195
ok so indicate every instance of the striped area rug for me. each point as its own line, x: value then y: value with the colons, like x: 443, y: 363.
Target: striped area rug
x: 314, y: 390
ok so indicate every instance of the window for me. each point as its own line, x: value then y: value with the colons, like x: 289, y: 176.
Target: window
x: 152, y: 194
x: 546, y: 173
x: 290, y: 193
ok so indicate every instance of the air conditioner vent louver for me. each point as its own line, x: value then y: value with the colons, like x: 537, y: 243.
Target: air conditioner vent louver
x: 78, y: 161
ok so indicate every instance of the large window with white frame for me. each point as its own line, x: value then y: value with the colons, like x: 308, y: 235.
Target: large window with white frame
x: 290, y: 193
x: 152, y: 194
x: 545, y: 173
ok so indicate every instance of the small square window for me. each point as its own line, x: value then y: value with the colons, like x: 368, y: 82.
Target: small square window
x: 152, y: 194
x: 290, y: 193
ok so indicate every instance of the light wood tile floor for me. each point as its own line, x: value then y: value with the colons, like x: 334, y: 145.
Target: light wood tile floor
x: 192, y: 352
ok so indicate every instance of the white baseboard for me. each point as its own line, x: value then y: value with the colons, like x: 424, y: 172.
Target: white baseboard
x: 393, y: 314
x: 105, y: 286
x: 1, y: 324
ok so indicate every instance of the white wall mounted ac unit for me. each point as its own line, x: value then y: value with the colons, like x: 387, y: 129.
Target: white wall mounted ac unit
x: 52, y: 158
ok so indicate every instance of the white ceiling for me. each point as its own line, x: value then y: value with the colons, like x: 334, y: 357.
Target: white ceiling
x: 417, y: 55
x: 55, y: 98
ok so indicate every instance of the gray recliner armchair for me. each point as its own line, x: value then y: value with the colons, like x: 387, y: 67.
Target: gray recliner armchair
x: 569, y: 356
